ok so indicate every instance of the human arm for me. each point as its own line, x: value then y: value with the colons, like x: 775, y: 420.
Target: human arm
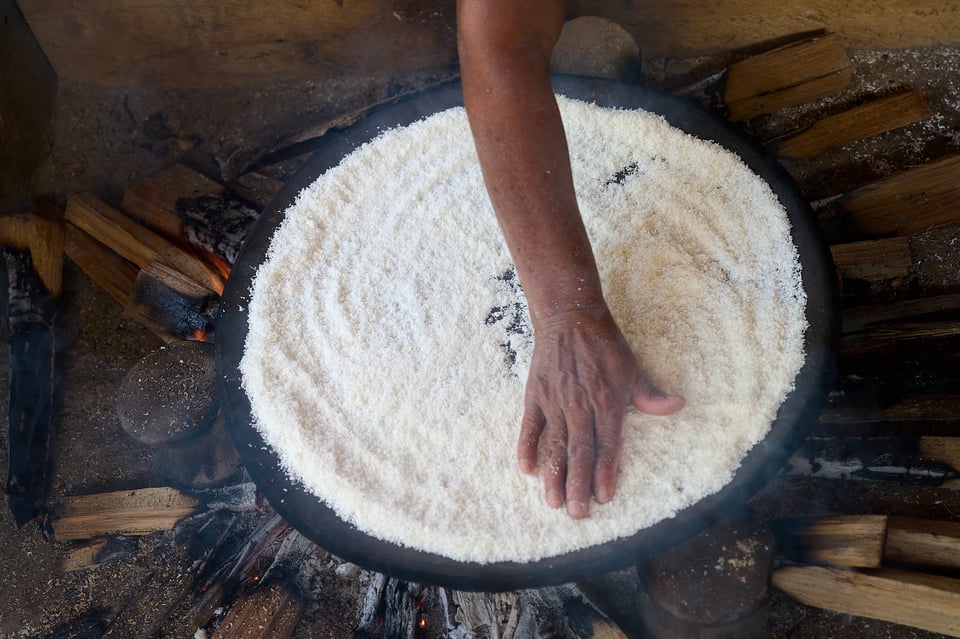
x: 583, y: 373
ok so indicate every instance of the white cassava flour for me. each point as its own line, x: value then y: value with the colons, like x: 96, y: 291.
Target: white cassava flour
x: 389, y: 342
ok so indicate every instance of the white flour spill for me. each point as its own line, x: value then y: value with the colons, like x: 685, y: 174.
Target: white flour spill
x: 388, y: 338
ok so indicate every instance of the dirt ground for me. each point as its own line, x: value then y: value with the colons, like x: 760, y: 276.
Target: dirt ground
x: 107, y: 138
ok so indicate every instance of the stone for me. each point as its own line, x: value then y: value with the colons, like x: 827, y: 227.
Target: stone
x: 208, y: 461
x: 596, y: 47
x: 713, y: 585
x: 170, y: 395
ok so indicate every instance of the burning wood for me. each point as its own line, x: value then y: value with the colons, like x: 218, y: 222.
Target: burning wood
x: 172, y: 305
x: 133, y: 241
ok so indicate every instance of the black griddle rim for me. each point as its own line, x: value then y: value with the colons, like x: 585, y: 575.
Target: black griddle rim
x: 320, y: 524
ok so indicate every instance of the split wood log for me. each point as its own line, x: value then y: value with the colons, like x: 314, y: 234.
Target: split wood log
x: 897, y: 336
x: 172, y: 305
x: 256, y: 189
x: 858, y: 318
x: 111, y: 272
x: 944, y: 449
x: 153, y: 201
x: 859, y: 123
x: 855, y: 541
x: 923, y: 542
x: 909, y: 202
x: 97, y: 552
x: 873, y: 260
x: 269, y: 612
x: 41, y: 232
x: 125, y: 512
x: 131, y: 240
x: 31, y: 313
x: 918, y: 600
x: 786, y: 76
x: 910, y: 408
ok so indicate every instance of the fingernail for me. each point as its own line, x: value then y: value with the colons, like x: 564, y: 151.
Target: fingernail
x: 577, y: 509
x: 554, y: 498
x: 602, y: 494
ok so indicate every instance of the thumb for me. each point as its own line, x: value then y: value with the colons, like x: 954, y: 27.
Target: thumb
x: 649, y: 399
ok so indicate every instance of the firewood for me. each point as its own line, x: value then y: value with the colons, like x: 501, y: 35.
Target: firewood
x: 873, y: 260
x: 887, y: 336
x: 42, y: 233
x: 153, y: 201
x: 31, y: 312
x: 894, y: 459
x: 256, y: 188
x: 929, y: 602
x: 859, y: 123
x: 131, y: 240
x: 170, y: 304
x: 839, y: 540
x: 906, y: 409
x: 111, y: 272
x: 97, y: 552
x: 923, y: 542
x: 945, y: 449
x: 786, y: 76
x: 909, y: 202
x: 856, y: 319
x: 270, y: 612
x: 125, y: 512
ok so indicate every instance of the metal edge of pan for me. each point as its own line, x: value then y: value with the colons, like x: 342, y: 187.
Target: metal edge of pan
x: 319, y: 523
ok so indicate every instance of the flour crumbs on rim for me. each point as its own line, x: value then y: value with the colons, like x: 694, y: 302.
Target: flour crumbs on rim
x: 389, y: 342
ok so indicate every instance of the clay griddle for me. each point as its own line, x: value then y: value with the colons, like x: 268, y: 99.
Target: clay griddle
x: 319, y: 523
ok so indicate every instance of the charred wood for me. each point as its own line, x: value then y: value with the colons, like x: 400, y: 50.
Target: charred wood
x: 31, y: 311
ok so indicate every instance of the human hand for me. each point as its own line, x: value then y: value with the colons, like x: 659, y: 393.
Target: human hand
x: 582, y: 378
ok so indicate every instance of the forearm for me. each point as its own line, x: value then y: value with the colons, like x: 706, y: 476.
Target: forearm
x: 504, y: 53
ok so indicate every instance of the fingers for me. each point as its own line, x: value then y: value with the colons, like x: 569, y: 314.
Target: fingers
x: 581, y: 454
x: 531, y: 427
x: 608, y: 442
x: 649, y: 399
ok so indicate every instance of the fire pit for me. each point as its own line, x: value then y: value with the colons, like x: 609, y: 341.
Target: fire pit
x: 314, y: 519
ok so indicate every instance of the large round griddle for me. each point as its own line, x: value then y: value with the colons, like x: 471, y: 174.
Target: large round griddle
x: 318, y: 522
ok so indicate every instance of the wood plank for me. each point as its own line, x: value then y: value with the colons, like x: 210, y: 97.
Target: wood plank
x: 944, y: 449
x: 27, y: 109
x: 131, y: 240
x: 873, y: 260
x: 126, y: 512
x: 910, y: 202
x: 689, y: 29
x: 111, y: 272
x: 839, y: 540
x: 786, y: 76
x: 153, y: 200
x: 929, y: 602
x: 213, y: 43
x: 99, y: 551
x: 856, y: 319
x: 859, y: 123
x: 923, y: 542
